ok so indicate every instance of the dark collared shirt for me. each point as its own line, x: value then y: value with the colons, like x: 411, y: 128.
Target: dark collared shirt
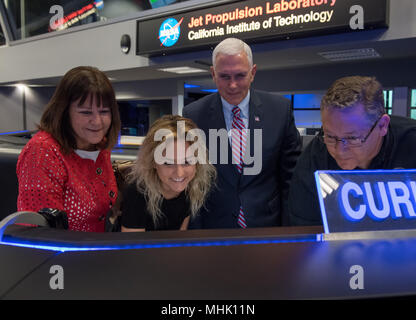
x: 397, y: 152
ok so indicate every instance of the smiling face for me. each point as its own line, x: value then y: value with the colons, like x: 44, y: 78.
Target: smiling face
x: 176, y: 174
x: 353, y: 122
x: 233, y: 76
x: 90, y: 123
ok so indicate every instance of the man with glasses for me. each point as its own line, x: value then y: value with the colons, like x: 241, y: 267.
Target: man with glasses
x: 356, y: 134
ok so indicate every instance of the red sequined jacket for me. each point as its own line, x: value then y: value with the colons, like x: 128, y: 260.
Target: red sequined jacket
x: 84, y: 189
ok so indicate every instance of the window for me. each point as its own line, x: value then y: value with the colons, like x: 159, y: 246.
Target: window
x: 388, y: 100
x: 138, y: 115
x: 413, y: 105
x: 306, y: 110
x: 29, y: 18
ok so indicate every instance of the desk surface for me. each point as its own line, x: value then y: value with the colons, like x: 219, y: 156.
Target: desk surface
x: 254, y: 264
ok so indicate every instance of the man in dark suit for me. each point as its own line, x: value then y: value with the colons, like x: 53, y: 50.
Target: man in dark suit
x: 261, y: 131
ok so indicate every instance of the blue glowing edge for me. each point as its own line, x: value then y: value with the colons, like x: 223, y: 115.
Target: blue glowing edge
x: 56, y: 247
x: 189, y: 86
x: 376, y: 171
x: 321, y: 201
x: 14, y: 132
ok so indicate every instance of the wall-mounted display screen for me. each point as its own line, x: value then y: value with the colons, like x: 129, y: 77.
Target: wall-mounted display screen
x: 257, y: 20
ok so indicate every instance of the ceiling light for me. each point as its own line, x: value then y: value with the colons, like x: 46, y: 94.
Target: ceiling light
x: 131, y: 140
x: 347, y: 55
x: 182, y: 70
x: 21, y: 86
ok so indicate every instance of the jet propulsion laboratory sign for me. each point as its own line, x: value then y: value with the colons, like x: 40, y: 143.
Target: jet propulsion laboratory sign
x: 257, y: 20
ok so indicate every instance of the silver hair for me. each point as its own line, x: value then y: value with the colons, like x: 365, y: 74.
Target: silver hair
x: 231, y: 47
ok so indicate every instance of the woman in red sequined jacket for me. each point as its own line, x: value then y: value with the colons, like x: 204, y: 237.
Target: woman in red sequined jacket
x: 67, y: 165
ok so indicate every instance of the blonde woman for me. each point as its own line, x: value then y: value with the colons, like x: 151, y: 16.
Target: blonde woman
x: 170, y: 180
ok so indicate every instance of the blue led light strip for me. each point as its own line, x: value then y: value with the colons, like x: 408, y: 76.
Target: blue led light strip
x: 13, y: 132
x: 63, y: 248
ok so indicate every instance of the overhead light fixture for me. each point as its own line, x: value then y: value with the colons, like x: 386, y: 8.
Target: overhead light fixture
x: 348, y: 55
x: 21, y: 86
x: 131, y: 140
x: 182, y: 70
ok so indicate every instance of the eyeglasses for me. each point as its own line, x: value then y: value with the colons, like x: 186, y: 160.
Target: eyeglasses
x: 347, y: 141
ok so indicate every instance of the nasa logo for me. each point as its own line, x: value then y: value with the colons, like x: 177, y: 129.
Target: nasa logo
x: 99, y: 4
x: 169, y: 32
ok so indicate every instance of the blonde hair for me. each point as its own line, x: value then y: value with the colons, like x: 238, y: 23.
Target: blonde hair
x: 145, y: 176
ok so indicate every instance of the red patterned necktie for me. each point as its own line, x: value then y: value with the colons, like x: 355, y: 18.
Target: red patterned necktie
x: 238, y: 142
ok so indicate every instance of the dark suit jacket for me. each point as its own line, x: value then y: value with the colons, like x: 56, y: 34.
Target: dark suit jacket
x: 264, y: 195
